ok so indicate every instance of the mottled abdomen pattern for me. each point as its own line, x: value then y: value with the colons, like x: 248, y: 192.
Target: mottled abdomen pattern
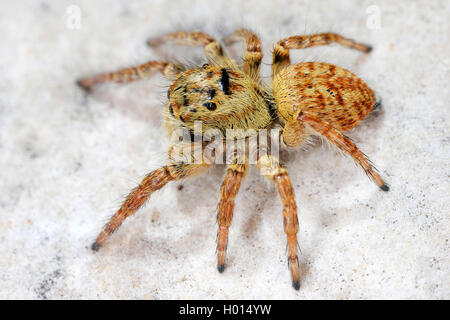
x: 324, y: 90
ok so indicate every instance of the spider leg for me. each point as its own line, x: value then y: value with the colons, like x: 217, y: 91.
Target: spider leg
x: 252, y: 54
x: 230, y: 187
x: 270, y: 168
x: 281, y: 50
x: 213, y: 50
x: 294, y: 133
x: 138, y: 196
x: 143, y: 71
x: 344, y: 143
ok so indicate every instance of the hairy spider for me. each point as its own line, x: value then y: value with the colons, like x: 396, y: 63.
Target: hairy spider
x: 304, y: 99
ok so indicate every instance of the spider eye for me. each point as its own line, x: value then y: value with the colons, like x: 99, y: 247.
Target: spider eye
x: 210, y: 105
x: 205, y: 65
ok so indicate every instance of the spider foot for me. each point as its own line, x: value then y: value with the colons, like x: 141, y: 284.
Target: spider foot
x: 221, y: 268
x: 296, y: 285
x: 95, y: 246
x: 83, y: 86
x: 384, y: 187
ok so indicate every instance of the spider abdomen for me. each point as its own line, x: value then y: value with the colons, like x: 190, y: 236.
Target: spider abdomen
x: 324, y: 90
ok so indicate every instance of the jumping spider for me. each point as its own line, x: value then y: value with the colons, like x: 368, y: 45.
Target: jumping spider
x: 310, y: 98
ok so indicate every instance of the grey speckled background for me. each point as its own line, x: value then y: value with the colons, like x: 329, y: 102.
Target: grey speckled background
x: 66, y: 160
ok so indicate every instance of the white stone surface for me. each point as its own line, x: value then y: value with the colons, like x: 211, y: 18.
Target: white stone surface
x: 67, y: 161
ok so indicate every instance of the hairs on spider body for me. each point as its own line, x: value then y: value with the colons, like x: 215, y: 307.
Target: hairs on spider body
x: 305, y: 98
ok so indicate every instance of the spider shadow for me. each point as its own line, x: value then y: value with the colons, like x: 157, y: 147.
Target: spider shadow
x: 138, y: 100
x: 144, y: 112
x: 207, y: 186
x: 335, y: 167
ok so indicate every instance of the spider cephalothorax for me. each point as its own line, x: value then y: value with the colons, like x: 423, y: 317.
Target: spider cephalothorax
x: 304, y: 99
x: 221, y: 97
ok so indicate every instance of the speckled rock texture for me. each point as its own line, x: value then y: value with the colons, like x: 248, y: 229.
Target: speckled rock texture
x: 67, y: 159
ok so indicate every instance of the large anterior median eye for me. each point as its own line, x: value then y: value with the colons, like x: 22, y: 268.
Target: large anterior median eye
x: 210, y: 105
